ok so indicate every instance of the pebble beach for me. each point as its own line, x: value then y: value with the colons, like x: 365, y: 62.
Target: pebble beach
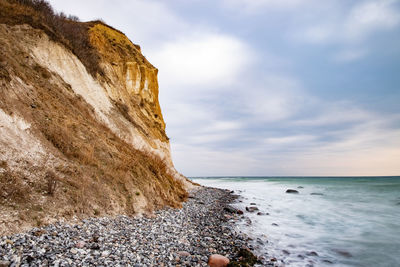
x: 188, y: 236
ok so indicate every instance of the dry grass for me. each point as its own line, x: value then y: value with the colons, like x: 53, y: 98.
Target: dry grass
x: 12, y: 187
x: 66, y: 30
x: 51, y: 180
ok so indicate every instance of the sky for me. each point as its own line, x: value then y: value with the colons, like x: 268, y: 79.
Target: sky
x: 270, y: 87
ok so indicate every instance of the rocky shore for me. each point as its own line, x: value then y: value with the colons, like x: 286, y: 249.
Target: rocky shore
x: 171, y: 237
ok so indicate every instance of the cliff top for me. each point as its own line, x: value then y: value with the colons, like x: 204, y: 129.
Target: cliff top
x: 82, y: 38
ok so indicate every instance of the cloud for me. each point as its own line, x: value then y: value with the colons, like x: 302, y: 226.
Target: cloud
x: 332, y: 114
x: 256, y: 6
x: 194, y: 160
x: 369, y: 17
x: 369, y: 148
x: 287, y: 140
x: 362, y: 21
x: 273, y: 97
x: 202, y: 60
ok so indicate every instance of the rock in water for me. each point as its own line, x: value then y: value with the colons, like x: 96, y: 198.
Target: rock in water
x: 292, y: 191
x: 217, y: 260
x: 251, y: 209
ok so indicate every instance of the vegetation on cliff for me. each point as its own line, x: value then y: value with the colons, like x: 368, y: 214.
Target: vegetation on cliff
x: 61, y: 28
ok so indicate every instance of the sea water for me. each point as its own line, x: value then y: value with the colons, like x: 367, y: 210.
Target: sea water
x: 332, y: 221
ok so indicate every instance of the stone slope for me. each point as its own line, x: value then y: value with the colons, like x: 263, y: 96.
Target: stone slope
x: 78, y: 140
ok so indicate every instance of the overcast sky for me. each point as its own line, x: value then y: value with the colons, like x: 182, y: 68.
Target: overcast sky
x: 270, y: 87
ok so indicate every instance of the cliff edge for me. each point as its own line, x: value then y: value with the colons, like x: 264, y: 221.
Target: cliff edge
x: 81, y: 129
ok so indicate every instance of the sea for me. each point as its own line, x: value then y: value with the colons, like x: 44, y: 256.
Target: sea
x: 332, y: 221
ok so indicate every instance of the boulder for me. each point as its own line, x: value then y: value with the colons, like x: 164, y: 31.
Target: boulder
x: 316, y: 194
x: 217, y: 260
x: 300, y: 187
x: 251, y: 209
x: 253, y: 204
x: 292, y: 191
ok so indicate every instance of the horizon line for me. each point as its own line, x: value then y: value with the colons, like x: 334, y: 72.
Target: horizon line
x: 296, y: 176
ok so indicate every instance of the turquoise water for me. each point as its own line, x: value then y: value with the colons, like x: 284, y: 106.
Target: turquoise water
x: 351, y: 221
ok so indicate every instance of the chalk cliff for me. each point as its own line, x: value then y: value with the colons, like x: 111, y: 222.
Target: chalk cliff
x: 81, y: 129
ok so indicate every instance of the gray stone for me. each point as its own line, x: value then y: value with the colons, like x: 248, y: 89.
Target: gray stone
x: 292, y: 191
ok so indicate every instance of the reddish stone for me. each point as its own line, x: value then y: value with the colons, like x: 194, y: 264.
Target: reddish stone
x: 217, y: 260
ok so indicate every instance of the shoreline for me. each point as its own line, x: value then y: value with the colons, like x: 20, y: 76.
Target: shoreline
x: 205, y: 225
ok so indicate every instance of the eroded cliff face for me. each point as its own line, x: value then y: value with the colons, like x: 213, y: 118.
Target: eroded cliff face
x: 74, y: 143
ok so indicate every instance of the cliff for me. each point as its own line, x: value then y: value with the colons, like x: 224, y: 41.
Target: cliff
x: 81, y: 129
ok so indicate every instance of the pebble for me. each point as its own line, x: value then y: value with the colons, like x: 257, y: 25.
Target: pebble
x: 183, y: 253
x: 80, y: 244
x: 171, y: 237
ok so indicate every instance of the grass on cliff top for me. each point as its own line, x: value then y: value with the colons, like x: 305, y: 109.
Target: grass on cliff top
x: 61, y: 28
